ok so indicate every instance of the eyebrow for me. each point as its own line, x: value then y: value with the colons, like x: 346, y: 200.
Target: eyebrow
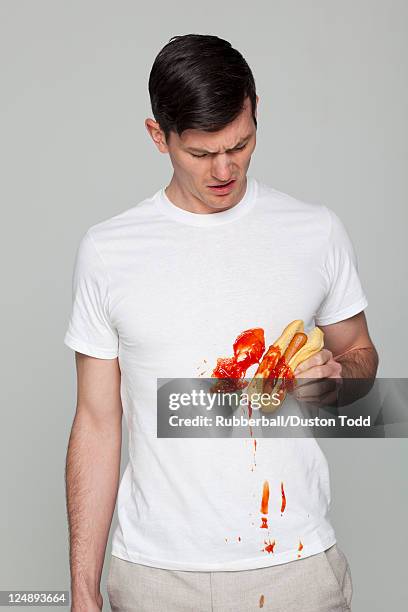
x: 194, y: 150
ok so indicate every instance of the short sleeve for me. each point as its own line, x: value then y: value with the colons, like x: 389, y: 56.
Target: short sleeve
x: 90, y: 330
x: 345, y: 295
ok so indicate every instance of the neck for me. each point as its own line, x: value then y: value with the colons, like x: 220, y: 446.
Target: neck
x: 183, y: 198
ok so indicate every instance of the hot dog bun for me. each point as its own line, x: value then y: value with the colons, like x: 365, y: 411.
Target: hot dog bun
x: 290, y: 330
x: 314, y: 344
x: 275, y: 371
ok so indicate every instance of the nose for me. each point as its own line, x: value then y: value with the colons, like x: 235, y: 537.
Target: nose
x: 221, y: 167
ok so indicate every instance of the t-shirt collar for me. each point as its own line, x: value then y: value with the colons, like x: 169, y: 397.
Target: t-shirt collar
x: 208, y: 219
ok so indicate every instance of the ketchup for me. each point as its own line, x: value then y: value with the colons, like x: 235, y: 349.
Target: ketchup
x: 265, y: 498
x: 248, y: 349
x: 283, y: 504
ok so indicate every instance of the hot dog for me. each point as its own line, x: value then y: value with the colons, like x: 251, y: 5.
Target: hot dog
x: 275, y: 373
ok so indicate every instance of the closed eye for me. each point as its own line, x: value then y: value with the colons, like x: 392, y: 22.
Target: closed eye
x: 233, y: 151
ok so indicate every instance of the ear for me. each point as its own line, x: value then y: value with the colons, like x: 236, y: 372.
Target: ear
x: 256, y: 108
x: 157, y: 135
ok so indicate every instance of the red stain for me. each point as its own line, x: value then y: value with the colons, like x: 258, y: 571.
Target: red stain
x: 248, y: 349
x: 269, y: 361
x: 261, y: 601
x: 269, y: 546
x: 277, y: 370
x: 264, y: 523
x: 265, y: 498
x: 282, y: 376
x: 300, y: 547
x: 254, y: 452
x: 283, y: 505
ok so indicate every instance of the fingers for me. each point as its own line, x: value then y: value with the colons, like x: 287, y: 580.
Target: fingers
x: 331, y: 369
x: 317, y: 360
x: 324, y: 392
x: 328, y: 399
x: 315, y: 388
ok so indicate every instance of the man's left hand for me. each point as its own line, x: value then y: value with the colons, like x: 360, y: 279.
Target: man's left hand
x: 318, y: 379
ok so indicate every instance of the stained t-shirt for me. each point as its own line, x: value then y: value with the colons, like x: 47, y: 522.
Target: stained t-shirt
x: 167, y: 291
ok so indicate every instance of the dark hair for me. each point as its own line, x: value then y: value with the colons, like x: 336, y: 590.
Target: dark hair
x: 199, y: 81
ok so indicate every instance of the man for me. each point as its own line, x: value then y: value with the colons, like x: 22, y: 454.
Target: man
x: 164, y: 288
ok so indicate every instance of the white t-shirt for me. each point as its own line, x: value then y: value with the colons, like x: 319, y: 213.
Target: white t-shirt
x: 167, y: 291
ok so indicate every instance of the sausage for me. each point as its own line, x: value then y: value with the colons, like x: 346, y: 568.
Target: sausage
x: 298, y: 340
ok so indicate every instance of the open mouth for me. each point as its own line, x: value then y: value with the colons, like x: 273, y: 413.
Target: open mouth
x: 223, y: 188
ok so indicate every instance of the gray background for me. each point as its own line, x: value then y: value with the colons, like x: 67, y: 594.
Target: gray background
x: 332, y: 129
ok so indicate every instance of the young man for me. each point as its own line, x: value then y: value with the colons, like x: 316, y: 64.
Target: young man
x: 165, y: 287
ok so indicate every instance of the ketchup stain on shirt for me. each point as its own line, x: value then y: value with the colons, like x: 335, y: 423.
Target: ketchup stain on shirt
x: 283, y: 504
x: 265, y: 498
x: 300, y: 547
x: 269, y: 546
x: 248, y: 349
x: 265, y: 504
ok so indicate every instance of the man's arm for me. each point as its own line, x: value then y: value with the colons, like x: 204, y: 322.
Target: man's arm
x: 348, y: 354
x: 350, y: 344
x: 92, y: 475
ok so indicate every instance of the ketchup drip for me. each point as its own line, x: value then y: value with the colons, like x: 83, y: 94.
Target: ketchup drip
x: 265, y: 504
x: 283, y: 505
x: 265, y: 498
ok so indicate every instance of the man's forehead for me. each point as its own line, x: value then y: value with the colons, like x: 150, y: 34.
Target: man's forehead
x: 215, y: 142
x: 229, y: 137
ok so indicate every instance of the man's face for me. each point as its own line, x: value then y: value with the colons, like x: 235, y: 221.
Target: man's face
x: 202, y: 160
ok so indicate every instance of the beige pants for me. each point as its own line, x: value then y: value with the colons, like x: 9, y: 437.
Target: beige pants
x: 320, y: 583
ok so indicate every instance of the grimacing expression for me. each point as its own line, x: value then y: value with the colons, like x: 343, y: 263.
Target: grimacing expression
x: 202, y: 160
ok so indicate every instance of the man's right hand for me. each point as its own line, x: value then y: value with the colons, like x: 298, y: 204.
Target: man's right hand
x: 79, y: 604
